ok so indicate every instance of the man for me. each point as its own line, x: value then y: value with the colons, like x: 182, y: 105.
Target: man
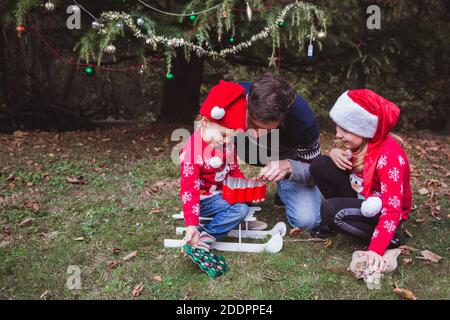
x: 272, y: 103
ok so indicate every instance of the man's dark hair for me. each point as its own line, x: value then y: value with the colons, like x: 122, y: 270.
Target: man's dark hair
x: 270, y: 98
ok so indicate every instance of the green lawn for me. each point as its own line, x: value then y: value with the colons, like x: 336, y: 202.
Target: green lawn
x: 113, y: 210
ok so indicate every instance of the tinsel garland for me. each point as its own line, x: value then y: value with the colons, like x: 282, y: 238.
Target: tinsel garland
x: 155, y: 40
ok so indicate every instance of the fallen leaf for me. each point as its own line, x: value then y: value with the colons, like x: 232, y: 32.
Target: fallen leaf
x: 156, y: 210
x: 424, y: 191
x: 430, y: 256
x: 407, y: 232
x: 407, y: 261
x: 137, y: 290
x: 20, y: 134
x: 112, y: 264
x: 157, y: 278
x: 26, y: 222
x: 11, y: 177
x: 327, y: 243
x: 406, y: 250
x: 130, y: 256
x: 76, y: 180
x: 78, y: 239
x: 295, y: 232
x: 116, y: 251
x: 44, y: 295
x: 158, y: 149
x: 29, y: 184
x: 419, y: 221
x: 405, y: 293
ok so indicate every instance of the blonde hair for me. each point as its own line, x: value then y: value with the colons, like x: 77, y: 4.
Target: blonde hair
x: 358, y: 156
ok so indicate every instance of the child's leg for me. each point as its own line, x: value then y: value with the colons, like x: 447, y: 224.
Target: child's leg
x: 332, y: 181
x: 344, y: 215
x: 225, y: 216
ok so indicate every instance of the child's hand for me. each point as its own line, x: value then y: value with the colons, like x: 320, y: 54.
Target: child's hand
x: 192, y: 234
x: 341, y: 159
x: 375, y: 261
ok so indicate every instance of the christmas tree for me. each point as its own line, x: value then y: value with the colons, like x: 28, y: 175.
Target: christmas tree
x: 182, y: 33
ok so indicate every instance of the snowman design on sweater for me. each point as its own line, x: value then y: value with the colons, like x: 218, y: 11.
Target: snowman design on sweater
x: 203, y: 170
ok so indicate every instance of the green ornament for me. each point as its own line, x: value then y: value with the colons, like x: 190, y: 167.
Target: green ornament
x: 89, y: 71
x: 169, y: 76
x: 232, y: 39
x: 281, y: 24
x: 192, y: 17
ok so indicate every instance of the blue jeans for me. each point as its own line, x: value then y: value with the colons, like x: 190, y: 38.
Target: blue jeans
x: 225, y: 216
x: 302, y: 203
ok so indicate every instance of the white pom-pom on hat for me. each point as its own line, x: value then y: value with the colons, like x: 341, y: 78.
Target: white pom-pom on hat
x: 217, y: 113
x: 215, y: 162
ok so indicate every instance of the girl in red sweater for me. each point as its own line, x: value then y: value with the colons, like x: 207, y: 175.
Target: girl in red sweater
x: 206, y: 160
x: 367, y: 185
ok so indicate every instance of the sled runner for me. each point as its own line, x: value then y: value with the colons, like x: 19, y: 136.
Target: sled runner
x: 274, y: 236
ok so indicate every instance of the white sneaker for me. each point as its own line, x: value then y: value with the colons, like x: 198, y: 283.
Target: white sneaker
x: 255, y: 225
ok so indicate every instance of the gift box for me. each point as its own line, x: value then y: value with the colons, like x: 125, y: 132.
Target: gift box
x: 237, y: 190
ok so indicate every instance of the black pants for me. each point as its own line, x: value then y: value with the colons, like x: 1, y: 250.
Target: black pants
x: 341, y: 209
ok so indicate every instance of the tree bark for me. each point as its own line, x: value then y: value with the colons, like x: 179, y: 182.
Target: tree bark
x: 182, y: 93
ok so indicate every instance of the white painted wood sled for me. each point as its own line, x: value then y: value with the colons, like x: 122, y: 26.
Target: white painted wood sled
x: 274, y: 236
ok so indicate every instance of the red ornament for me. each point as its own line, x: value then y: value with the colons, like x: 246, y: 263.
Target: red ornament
x: 20, y: 29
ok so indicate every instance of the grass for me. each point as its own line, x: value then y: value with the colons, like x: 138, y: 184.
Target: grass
x: 112, y: 214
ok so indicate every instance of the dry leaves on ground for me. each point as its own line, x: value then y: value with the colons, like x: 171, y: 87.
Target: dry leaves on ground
x: 429, y: 256
x: 405, y: 293
x: 137, y: 291
x: 295, y: 232
x: 76, y: 180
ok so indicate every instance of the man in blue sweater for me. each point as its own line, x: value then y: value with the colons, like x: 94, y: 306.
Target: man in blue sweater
x: 272, y: 103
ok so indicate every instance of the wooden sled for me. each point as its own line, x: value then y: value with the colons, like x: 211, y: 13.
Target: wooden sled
x: 273, y: 245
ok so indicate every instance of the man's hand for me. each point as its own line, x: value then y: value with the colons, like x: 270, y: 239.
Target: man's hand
x: 340, y: 159
x: 275, y: 171
x: 375, y: 261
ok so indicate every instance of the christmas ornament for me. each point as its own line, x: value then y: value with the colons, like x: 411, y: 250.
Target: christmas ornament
x: 321, y: 35
x: 169, y: 76
x: 225, y: 14
x: 249, y: 13
x: 119, y: 25
x: 20, y: 29
x: 310, y: 46
x: 216, y: 162
x: 140, y: 22
x: 95, y: 25
x: 281, y: 24
x: 273, y: 61
x: 141, y: 69
x: 89, y: 71
x: 111, y: 49
x: 192, y: 17
x: 310, y: 52
x: 232, y: 39
x: 49, y: 6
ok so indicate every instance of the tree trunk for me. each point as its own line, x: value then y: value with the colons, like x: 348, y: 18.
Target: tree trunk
x: 4, y: 70
x: 182, y: 92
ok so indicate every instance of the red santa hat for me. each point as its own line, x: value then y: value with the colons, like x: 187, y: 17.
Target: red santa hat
x: 354, y: 113
x: 369, y: 115
x: 226, y: 105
